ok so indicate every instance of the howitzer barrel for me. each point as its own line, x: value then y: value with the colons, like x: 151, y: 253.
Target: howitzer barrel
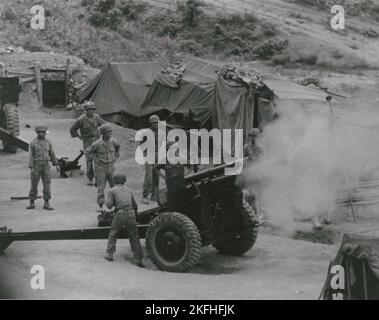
x: 210, y: 172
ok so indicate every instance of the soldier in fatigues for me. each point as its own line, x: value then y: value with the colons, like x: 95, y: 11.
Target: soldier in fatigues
x: 104, y: 151
x: 88, y: 124
x: 40, y: 153
x: 252, y: 151
x: 174, y: 176
x: 151, y: 181
x: 121, y: 199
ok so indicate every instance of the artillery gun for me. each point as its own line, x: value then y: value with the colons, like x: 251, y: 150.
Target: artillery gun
x: 9, y: 122
x: 214, y: 213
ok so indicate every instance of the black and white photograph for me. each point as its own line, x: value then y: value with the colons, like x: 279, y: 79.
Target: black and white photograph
x: 202, y: 151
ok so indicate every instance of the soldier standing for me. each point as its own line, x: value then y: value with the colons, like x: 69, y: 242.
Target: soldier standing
x: 88, y: 124
x: 151, y: 181
x: 175, y: 183
x: 122, y: 200
x: 104, y: 151
x: 40, y: 153
x: 252, y: 151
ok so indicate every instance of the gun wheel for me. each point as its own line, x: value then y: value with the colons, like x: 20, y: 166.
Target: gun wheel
x: 248, y: 235
x: 9, y: 121
x: 173, y: 242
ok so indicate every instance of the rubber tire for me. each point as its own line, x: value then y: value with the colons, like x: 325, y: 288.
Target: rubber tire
x: 10, y: 119
x: 239, y: 246
x: 189, y: 231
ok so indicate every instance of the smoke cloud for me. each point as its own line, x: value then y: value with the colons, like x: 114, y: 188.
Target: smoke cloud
x: 308, y: 155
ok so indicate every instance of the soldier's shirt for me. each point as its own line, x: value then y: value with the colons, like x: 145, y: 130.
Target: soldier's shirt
x: 174, y: 176
x: 104, y: 152
x: 41, y: 150
x: 120, y: 197
x: 88, y: 126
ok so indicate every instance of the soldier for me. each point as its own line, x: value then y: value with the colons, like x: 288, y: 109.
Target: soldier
x: 88, y: 124
x: 104, y: 151
x: 151, y: 181
x: 174, y: 176
x: 40, y: 152
x: 121, y: 199
x: 251, y: 150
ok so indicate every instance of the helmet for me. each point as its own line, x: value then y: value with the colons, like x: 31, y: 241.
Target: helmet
x: 254, y: 132
x: 41, y: 127
x: 153, y: 118
x: 119, y: 178
x: 89, y: 105
x: 105, y: 128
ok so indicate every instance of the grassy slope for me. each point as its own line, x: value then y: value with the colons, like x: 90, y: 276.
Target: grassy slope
x: 68, y: 31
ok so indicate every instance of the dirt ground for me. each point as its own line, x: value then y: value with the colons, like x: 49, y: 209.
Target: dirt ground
x: 277, y: 267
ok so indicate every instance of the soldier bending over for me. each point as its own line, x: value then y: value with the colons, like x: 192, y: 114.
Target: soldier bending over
x: 121, y: 199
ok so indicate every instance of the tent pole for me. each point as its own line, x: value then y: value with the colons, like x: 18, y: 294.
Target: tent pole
x: 348, y: 278
x: 364, y: 279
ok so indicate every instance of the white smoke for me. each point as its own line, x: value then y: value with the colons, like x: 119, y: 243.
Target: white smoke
x: 308, y: 155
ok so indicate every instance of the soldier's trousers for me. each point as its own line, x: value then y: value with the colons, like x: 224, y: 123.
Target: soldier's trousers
x: 89, y: 162
x: 151, y: 181
x: 41, y: 170
x: 104, y: 174
x: 125, y: 218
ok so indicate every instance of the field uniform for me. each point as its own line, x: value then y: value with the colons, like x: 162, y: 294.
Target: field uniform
x: 40, y: 153
x: 125, y: 206
x: 151, y: 180
x: 174, y: 176
x: 89, y: 132
x: 104, y: 153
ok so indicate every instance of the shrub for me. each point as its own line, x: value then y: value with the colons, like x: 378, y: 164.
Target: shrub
x: 131, y: 9
x: 189, y: 46
x: 9, y: 14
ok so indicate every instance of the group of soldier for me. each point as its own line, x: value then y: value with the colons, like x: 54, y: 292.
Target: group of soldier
x: 102, y: 152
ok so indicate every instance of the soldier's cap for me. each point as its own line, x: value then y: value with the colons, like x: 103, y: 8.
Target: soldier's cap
x: 119, y: 178
x: 254, y: 132
x: 89, y: 105
x: 105, y: 128
x: 41, y: 127
x: 153, y: 118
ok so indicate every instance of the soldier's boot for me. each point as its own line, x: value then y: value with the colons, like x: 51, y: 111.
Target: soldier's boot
x: 138, y: 263
x: 90, y: 182
x: 31, y: 205
x: 109, y: 256
x: 145, y: 200
x: 47, y: 206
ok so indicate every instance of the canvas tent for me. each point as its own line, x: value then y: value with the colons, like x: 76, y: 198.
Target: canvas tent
x: 192, y: 94
x: 120, y: 89
x: 354, y: 273
x: 183, y: 94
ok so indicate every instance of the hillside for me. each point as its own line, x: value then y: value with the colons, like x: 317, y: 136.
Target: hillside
x: 274, y: 31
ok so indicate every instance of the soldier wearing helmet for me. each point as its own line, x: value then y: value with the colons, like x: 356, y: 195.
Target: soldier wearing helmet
x: 88, y: 125
x: 174, y: 177
x: 104, y: 152
x: 151, y: 181
x: 122, y: 200
x: 40, y: 153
